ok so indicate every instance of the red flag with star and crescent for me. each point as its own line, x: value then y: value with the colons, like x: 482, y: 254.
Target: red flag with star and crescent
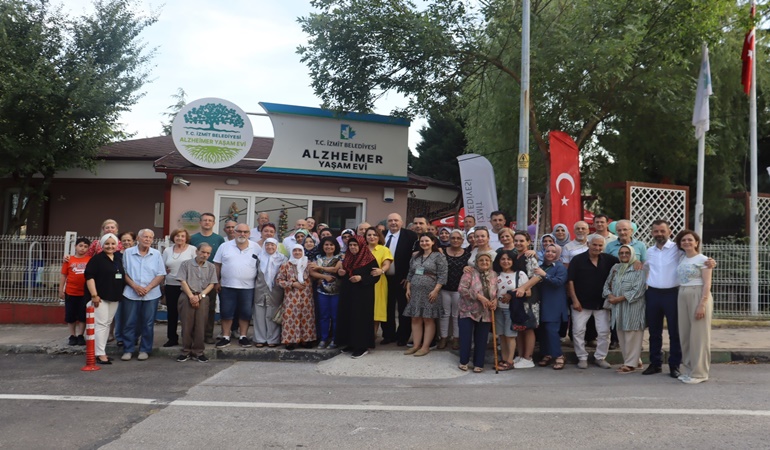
x: 747, y: 55
x: 566, y: 204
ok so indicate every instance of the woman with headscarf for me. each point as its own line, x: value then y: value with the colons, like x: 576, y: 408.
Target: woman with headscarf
x: 268, y: 295
x: 561, y: 234
x: 311, y: 248
x: 105, y: 280
x: 478, y: 300
x: 427, y: 273
x: 355, y: 318
x: 624, y: 290
x: 456, y: 259
x: 551, y: 277
x: 324, y: 269
x: 298, y: 326
x: 443, y: 237
x: 343, y: 238
x: 545, y: 241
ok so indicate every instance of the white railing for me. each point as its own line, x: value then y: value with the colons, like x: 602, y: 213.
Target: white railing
x: 30, y: 266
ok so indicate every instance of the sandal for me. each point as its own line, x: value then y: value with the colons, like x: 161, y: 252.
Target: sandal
x: 504, y: 366
x: 259, y: 345
x: 463, y: 367
x: 478, y: 369
x: 558, y: 363
x: 545, y: 361
x: 626, y: 369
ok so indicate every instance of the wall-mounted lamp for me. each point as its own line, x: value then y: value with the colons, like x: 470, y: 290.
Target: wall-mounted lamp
x: 344, y: 189
x: 232, y: 181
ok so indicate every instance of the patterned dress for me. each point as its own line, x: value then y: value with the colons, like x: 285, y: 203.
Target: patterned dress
x: 298, y: 314
x: 424, y: 275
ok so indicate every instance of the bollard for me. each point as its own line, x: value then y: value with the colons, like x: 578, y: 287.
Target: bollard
x: 90, y: 344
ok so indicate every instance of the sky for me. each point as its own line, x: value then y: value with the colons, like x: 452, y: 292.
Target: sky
x: 243, y: 51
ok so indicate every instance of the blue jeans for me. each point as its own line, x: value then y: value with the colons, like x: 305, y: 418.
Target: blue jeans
x: 120, y: 322
x: 478, y: 332
x: 550, y: 344
x: 327, y: 307
x: 234, y: 301
x: 141, y: 314
x: 663, y: 303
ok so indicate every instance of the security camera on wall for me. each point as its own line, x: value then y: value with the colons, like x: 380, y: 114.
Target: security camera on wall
x: 180, y: 180
x: 388, y: 195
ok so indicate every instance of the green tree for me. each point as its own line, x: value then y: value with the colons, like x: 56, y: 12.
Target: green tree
x: 63, y: 84
x: 442, y: 142
x: 213, y: 114
x: 173, y: 110
x: 591, y: 61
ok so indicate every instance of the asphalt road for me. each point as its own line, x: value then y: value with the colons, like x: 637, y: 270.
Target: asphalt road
x: 163, y: 404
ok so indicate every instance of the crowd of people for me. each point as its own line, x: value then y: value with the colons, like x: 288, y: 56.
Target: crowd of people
x: 423, y: 288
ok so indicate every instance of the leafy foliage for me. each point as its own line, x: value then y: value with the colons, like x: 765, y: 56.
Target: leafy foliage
x: 63, y: 84
x: 619, y: 77
x: 442, y: 142
x: 173, y: 110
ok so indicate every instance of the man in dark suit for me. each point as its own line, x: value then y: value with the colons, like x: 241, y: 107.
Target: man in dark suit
x: 400, y: 241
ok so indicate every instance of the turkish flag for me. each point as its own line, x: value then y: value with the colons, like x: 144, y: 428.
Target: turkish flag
x: 747, y: 55
x: 566, y: 204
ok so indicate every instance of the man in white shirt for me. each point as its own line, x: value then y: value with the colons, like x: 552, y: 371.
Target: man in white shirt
x: 498, y: 221
x: 290, y: 240
x: 256, y: 233
x: 578, y: 245
x: 601, y: 221
x: 236, y: 263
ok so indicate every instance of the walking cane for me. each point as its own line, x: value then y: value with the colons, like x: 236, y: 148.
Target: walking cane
x: 494, y: 340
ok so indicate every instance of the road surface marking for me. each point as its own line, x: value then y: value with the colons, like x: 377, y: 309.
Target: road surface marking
x: 398, y: 408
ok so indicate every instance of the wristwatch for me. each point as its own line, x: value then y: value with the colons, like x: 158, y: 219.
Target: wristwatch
x: 203, y: 295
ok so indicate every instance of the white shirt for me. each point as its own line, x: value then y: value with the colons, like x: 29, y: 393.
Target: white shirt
x: 572, y: 249
x: 239, y: 267
x: 392, y: 247
x: 255, y: 235
x: 662, y: 264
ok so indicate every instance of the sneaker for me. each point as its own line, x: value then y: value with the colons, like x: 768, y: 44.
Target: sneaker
x: 223, y: 342
x: 244, y: 342
x: 582, y: 364
x: 72, y: 340
x: 683, y: 378
x: 516, y: 360
x: 202, y: 358
x: 524, y: 363
x: 322, y: 344
x: 332, y: 345
x: 143, y: 356
x: 182, y: 358
x: 603, y: 364
x: 359, y: 353
x: 81, y: 340
x: 126, y: 357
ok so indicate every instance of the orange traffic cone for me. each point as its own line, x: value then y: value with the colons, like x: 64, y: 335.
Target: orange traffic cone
x: 90, y: 345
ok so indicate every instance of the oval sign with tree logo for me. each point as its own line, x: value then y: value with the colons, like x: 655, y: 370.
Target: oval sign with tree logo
x: 212, y: 133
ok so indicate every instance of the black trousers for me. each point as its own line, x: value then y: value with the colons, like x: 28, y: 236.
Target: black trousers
x: 396, y: 303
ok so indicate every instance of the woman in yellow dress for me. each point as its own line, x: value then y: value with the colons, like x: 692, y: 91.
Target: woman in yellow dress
x: 384, y: 258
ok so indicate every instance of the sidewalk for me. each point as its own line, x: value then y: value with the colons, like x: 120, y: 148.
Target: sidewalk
x: 745, y: 342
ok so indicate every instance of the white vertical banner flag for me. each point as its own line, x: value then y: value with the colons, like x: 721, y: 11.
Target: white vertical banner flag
x: 477, y: 181
x: 700, y: 115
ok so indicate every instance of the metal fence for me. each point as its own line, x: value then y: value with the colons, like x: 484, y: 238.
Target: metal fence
x: 30, y: 268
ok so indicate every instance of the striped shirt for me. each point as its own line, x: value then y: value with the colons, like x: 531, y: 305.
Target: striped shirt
x: 628, y: 315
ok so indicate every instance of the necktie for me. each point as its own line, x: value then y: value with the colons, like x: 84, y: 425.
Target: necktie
x: 390, y: 238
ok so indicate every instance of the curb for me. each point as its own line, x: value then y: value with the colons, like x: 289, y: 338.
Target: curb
x: 718, y: 356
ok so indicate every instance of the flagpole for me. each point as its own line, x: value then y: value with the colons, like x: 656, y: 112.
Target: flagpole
x: 700, y: 115
x: 753, y: 202
x: 522, y: 198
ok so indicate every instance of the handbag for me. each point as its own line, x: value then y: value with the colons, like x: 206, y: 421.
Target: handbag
x: 278, y: 316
